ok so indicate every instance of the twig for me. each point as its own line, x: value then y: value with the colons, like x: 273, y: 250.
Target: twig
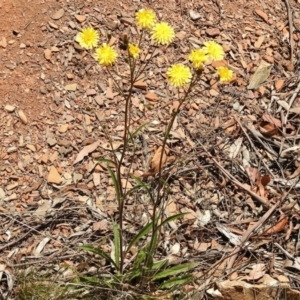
x: 253, y: 146
x: 291, y: 25
x: 234, y: 180
x: 292, y: 99
x: 247, y: 234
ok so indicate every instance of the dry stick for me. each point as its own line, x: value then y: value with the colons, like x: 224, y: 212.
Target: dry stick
x: 250, y: 141
x: 287, y: 114
x: 229, y: 176
x: 247, y: 234
x: 290, y: 19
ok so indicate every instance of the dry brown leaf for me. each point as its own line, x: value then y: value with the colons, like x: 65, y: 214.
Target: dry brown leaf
x: 258, y: 271
x: 155, y: 162
x: 261, y: 74
x: 113, y: 146
x: 279, y: 226
x: 262, y: 14
x: 86, y: 151
x: 268, y: 118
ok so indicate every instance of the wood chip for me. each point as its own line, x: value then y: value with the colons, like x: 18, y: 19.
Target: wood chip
x: 59, y: 14
x: 54, y: 176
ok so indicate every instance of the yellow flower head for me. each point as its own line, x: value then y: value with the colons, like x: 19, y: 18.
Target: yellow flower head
x: 106, y: 55
x: 134, y: 50
x: 163, y: 33
x: 88, y: 38
x: 214, y: 50
x: 225, y: 74
x: 198, y: 57
x: 145, y: 18
x: 179, y: 75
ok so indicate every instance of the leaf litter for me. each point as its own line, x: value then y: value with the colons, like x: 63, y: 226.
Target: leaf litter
x: 79, y: 197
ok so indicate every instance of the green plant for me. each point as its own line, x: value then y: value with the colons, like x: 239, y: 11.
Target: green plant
x: 145, y: 271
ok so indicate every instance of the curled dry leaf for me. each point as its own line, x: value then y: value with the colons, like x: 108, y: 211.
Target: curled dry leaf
x: 86, y: 151
x: 258, y: 271
x: 279, y: 226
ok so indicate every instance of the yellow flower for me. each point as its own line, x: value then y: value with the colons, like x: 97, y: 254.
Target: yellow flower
x: 145, y: 18
x: 214, y: 50
x: 198, y: 57
x: 106, y: 55
x: 225, y: 74
x: 163, y: 33
x: 179, y: 75
x: 88, y: 38
x: 134, y: 50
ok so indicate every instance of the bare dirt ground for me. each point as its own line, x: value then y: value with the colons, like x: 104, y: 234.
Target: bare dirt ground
x: 236, y: 149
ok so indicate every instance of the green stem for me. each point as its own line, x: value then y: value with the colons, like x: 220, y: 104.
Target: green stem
x: 160, y: 182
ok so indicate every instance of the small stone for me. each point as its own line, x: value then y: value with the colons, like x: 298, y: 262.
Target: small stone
x: 47, y: 54
x: 140, y: 85
x: 31, y: 147
x: 63, y: 128
x: 59, y: 14
x: 2, y: 194
x: 9, y: 108
x: 22, y: 46
x: 128, y: 21
x: 80, y: 18
x: 213, y: 93
x: 52, y: 25
x: 71, y: 87
x: 212, y: 32
x: 99, y: 100
x: 72, y: 24
x: 77, y: 177
x: 44, y: 158
x: 151, y: 97
x: 54, y: 49
x: 269, y: 59
x: 12, y: 186
x: 90, y: 92
x: 11, y: 149
x: 279, y: 84
x: 226, y: 48
x: 3, y: 42
x: 111, y: 25
x: 70, y: 76
x: 51, y: 142
x: 64, y: 143
x: 194, y: 15
x: 22, y: 116
x: 53, y: 176
x: 43, y: 90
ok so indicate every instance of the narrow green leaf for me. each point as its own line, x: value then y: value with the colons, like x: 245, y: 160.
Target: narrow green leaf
x: 99, y: 252
x: 160, y: 264
x: 175, y: 270
x: 132, y: 190
x: 144, y: 231
x: 176, y: 281
x: 144, y: 186
x: 105, y: 160
x: 114, y: 179
x: 132, y: 135
x: 116, y: 243
x: 154, y: 244
x: 89, y: 279
x: 172, y: 218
